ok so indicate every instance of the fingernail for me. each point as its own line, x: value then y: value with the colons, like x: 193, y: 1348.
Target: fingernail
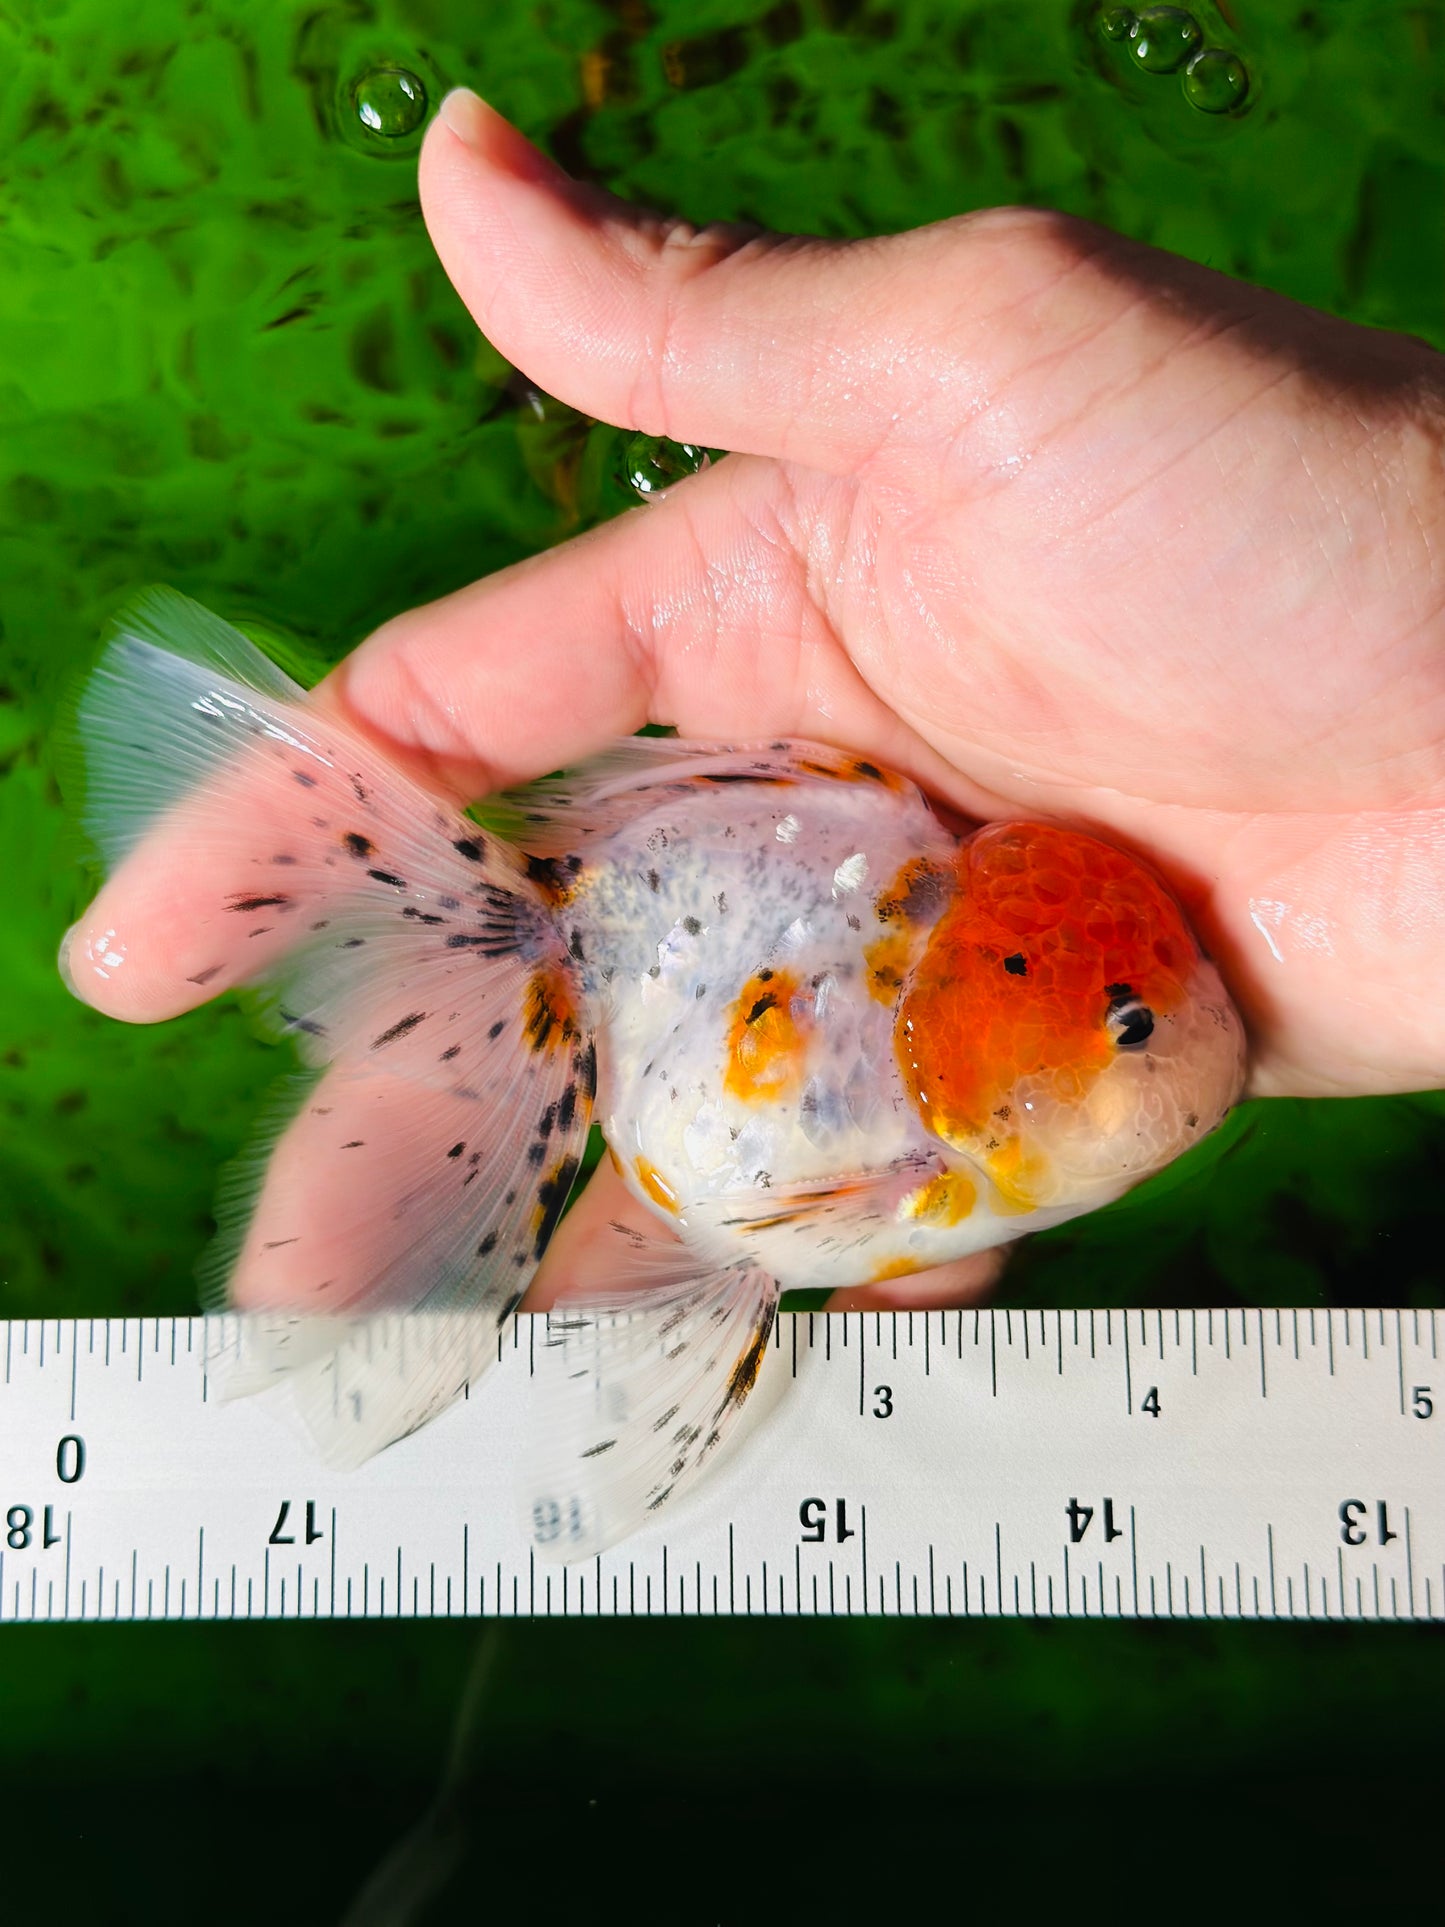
x: 489, y: 133
x: 466, y: 114
x: 62, y: 960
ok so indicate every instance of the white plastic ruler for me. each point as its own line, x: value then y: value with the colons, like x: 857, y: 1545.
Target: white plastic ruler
x: 1241, y: 1464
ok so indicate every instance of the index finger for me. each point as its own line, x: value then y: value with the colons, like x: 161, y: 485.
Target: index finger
x: 678, y: 613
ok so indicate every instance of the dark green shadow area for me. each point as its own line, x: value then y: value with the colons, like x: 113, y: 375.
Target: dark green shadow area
x: 718, y: 1771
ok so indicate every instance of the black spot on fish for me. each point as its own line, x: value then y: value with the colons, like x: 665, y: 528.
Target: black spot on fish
x: 546, y: 1121
x: 259, y: 903
x: 421, y: 916
x: 551, y: 875
x: 358, y: 844
x: 585, y: 1063
x: 692, y: 926
x: 1016, y: 965
x: 596, y: 1451
x: 488, y: 1245
x: 385, y: 876
x: 869, y: 770
x: 764, y: 1004
x: 451, y: 1051
x: 351, y: 943
x: 283, y: 861
x: 574, y: 946
x: 457, y: 1149
x: 306, y: 782
x: 354, y: 1144
x: 567, y: 1108
x: 745, y: 1372
x: 448, y: 903
x: 653, y: 880
x: 513, y: 1301
x: 322, y: 925
x: 536, y: 1153
x: 399, y: 1029
x: 471, y: 847
x: 275, y: 1244
x: 551, y: 1198
x: 496, y: 1030
x: 765, y: 976
x: 701, y: 991
x: 1117, y: 992
x: 359, y: 791
x: 205, y: 976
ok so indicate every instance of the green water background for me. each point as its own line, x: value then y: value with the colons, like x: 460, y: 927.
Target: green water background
x: 229, y: 361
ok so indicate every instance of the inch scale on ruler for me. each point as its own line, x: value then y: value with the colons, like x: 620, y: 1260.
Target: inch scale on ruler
x: 1254, y: 1464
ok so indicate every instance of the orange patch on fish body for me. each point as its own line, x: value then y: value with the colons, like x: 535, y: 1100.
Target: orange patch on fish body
x: 1019, y: 1175
x: 549, y: 1010
x: 894, y: 1268
x: 888, y: 960
x: 914, y: 894
x: 946, y: 1199
x: 655, y: 1185
x: 768, y: 1038
x: 1047, y: 929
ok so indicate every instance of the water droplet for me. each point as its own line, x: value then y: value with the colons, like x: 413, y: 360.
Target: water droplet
x: 1215, y: 82
x: 1162, y: 39
x: 1115, y: 22
x: 389, y: 102
x: 651, y: 463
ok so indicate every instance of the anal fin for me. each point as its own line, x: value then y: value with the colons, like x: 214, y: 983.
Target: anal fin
x: 640, y: 1394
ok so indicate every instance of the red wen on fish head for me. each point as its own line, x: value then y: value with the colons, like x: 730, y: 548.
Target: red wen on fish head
x: 1062, y: 1029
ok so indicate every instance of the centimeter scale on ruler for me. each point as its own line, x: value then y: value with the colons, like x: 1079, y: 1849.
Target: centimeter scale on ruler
x: 1255, y: 1464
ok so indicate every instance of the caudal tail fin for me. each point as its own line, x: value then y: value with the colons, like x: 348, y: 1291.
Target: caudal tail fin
x: 421, y: 971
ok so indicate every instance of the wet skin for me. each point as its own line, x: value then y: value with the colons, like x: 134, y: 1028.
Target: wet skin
x: 1053, y: 523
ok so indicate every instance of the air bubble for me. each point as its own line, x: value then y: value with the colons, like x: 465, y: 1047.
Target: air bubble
x: 1215, y: 82
x: 1162, y: 39
x: 651, y: 464
x: 389, y: 102
x: 1115, y: 22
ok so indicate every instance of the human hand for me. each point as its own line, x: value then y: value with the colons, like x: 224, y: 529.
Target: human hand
x: 1049, y: 521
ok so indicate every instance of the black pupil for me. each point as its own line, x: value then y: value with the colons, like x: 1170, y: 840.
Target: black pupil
x: 1136, y: 1026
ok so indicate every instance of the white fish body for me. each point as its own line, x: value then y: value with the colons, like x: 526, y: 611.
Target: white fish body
x: 827, y: 1042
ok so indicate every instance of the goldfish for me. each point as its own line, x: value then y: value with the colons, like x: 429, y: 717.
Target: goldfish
x: 827, y: 1039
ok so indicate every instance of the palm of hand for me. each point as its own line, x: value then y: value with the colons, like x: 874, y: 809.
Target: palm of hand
x: 1051, y: 521
x: 1171, y: 586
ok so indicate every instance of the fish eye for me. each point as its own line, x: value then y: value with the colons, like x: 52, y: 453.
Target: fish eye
x: 1130, y: 1021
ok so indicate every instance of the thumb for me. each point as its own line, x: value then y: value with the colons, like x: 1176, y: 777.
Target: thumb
x: 726, y: 336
